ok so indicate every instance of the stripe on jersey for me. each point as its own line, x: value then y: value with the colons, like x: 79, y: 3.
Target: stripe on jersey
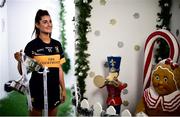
x: 50, y: 60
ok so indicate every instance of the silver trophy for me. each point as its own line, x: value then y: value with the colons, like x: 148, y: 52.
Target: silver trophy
x: 21, y: 85
x: 28, y: 65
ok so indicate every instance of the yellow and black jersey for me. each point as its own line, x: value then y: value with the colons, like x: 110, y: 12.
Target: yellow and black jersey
x: 52, y: 56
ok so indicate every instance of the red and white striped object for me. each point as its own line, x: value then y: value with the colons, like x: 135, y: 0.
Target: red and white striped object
x: 149, y: 54
x: 169, y: 103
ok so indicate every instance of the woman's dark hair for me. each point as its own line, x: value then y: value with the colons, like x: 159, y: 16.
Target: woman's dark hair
x: 40, y: 13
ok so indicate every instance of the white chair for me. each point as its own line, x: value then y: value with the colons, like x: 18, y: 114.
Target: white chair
x: 97, y: 109
x: 85, y: 104
x: 126, y: 113
x: 111, y: 110
x: 141, y: 114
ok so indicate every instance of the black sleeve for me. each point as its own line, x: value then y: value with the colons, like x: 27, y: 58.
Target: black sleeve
x: 61, y: 51
x: 62, y: 56
x: 28, y: 50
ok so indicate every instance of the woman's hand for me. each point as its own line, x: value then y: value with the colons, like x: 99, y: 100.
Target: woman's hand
x: 17, y: 56
x: 63, y: 96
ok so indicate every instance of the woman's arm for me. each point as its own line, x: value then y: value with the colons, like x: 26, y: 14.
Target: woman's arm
x: 19, y: 67
x: 62, y: 85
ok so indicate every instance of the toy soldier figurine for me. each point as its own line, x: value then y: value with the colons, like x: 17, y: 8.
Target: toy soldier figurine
x: 113, y: 85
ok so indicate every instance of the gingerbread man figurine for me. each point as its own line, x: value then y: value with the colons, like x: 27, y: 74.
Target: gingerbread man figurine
x: 162, y: 98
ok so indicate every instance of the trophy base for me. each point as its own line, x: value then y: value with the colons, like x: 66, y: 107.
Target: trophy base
x: 14, y: 85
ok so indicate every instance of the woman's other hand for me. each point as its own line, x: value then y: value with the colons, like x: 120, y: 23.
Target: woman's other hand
x: 63, y: 96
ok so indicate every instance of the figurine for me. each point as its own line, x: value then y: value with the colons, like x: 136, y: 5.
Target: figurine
x: 162, y: 98
x: 113, y: 85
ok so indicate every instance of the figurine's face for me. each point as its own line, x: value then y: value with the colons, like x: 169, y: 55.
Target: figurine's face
x: 163, y: 81
x: 112, y: 76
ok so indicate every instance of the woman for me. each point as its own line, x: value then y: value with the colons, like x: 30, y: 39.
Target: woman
x: 48, y: 52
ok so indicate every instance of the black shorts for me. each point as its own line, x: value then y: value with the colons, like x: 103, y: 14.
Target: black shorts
x: 37, y: 92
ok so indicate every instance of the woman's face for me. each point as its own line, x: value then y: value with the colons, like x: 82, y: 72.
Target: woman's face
x: 45, y: 24
x: 163, y: 82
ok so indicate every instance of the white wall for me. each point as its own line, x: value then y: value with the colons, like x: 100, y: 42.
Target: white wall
x: 128, y: 30
x: 20, y: 17
x: 70, y: 36
x: 4, y: 76
x: 175, y: 25
x: 21, y: 14
x: 16, y: 27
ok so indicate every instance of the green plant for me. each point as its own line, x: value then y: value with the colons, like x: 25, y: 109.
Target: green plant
x: 83, y: 27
